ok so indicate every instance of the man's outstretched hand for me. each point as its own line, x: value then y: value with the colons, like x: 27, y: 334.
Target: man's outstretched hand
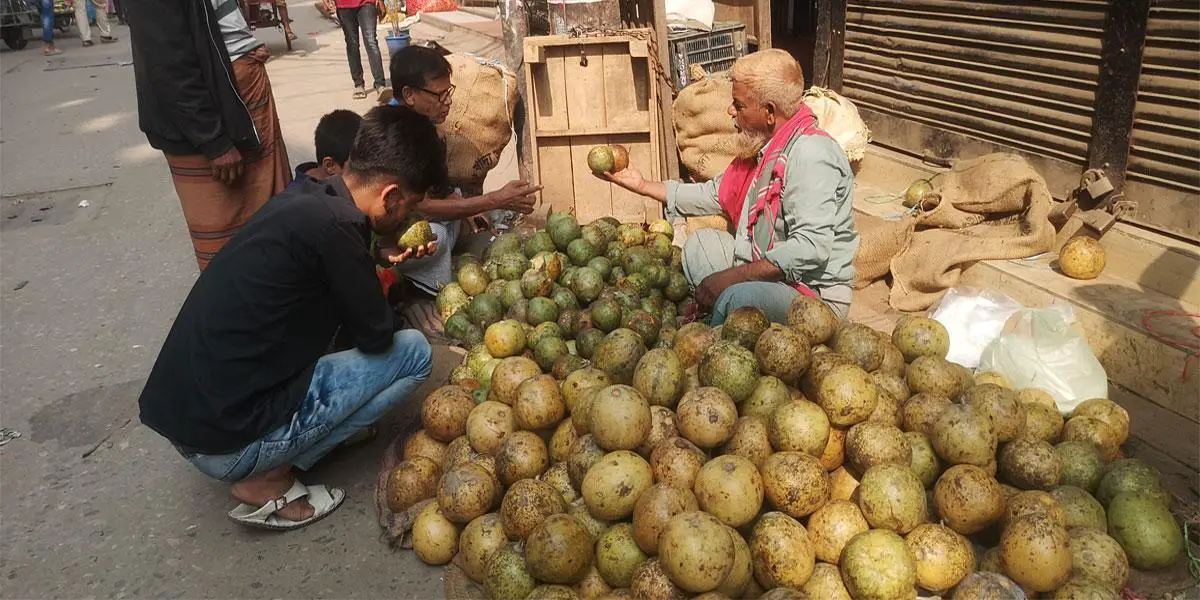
x: 630, y: 179
x: 518, y: 196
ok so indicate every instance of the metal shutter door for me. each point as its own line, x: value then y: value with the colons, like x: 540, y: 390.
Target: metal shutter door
x: 967, y: 78
x: 1163, y: 174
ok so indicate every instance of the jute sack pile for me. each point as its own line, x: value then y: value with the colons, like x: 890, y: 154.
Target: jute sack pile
x: 704, y: 130
x: 706, y: 136
x: 879, y: 240
x: 840, y: 119
x: 995, y: 207
x: 479, y: 125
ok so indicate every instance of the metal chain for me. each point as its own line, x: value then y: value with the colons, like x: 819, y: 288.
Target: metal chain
x: 646, y: 35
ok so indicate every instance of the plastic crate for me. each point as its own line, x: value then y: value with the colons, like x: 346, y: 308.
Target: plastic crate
x: 715, y: 50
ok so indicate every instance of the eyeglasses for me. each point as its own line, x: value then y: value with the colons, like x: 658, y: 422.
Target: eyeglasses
x: 443, y: 97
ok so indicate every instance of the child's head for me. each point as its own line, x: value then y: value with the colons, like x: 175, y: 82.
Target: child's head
x: 334, y: 139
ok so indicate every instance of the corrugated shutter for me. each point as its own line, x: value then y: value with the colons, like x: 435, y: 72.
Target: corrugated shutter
x: 1163, y: 175
x: 1018, y: 76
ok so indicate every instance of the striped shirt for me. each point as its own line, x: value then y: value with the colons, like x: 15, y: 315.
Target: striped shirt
x: 238, y: 39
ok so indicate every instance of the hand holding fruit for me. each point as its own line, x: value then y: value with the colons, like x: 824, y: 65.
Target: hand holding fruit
x: 417, y: 241
x: 396, y: 255
x: 629, y: 178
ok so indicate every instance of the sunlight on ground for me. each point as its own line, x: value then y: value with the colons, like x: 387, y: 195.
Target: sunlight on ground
x: 70, y: 103
x: 103, y: 122
x: 138, y: 154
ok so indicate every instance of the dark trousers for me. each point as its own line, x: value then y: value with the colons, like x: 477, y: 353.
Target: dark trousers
x: 362, y: 19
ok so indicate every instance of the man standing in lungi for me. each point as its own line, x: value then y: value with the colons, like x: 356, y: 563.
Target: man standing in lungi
x: 204, y: 99
x: 789, y: 193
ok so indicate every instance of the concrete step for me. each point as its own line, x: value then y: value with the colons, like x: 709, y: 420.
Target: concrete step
x: 1146, y: 273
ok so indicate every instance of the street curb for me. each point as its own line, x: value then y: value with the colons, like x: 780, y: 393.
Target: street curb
x: 451, y: 27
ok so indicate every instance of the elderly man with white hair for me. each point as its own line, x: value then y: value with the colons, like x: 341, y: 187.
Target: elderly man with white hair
x: 789, y: 193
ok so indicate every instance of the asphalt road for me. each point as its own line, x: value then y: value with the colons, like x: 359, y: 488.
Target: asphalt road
x: 94, y: 263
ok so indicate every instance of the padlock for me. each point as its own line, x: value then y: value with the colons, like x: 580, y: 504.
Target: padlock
x: 1099, y: 188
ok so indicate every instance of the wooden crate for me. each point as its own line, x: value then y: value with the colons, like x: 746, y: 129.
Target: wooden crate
x: 583, y: 92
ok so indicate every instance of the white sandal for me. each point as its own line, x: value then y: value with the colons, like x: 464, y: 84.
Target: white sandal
x: 323, y: 500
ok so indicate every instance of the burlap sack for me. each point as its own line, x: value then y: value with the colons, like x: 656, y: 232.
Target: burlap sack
x: 479, y: 125
x: 995, y: 207
x: 704, y: 131
x: 706, y: 136
x: 838, y: 117
x: 879, y: 240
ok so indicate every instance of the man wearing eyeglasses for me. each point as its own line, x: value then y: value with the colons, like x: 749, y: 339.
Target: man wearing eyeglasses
x: 421, y: 80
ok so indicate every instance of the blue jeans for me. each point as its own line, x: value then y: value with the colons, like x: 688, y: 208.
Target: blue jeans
x: 362, y: 20
x: 48, y: 21
x: 349, y: 391
x: 772, y: 297
x: 708, y: 251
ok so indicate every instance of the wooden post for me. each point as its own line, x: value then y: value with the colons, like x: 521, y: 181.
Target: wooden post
x: 762, y: 23
x: 1116, y: 91
x: 830, y: 51
x: 515, y: 26
x: 588, y: 14
x: 666, y: 99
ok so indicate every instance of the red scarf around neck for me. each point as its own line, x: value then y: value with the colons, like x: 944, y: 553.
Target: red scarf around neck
x: 766, y: 176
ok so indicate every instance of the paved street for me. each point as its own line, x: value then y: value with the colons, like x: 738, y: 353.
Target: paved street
x: 94, y: 263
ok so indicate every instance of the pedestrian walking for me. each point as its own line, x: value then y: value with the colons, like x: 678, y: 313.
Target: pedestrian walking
x: 358, y: 19
x: 205, y: 101
x: 85, y: 30
x: 47, y: 13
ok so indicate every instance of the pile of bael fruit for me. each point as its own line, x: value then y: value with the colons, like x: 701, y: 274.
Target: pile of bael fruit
x: 589, y: 448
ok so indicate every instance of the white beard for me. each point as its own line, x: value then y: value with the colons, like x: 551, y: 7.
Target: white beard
x: 750, y: 143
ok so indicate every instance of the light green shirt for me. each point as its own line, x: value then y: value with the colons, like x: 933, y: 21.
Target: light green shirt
x: 816, y: 239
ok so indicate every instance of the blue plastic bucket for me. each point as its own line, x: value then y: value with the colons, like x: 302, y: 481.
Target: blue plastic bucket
x: 397, y: 42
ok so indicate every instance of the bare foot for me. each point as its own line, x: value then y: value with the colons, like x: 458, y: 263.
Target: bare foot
x: 261, y: 489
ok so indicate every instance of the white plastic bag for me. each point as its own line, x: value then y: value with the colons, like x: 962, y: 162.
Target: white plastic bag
x: 1041, y: 350
x: 974, y: 319
x: 690, y: 14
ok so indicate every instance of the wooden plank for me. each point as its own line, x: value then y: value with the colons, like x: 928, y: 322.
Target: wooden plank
x: 595, y: 131
x: 590, y: 14
x: 627, y: 105
x: 1159, y: 428
x: 593, y: 196
x: 515, y: 27
x: 1166, y: 265
x: 837, y: 44
x: 583, y: 76
x: 668, y: 148
x: 637, y: 47
x: 627, y: 206
x: 821, y: 50
x: 555, y: 166
x: 762, y: 23
x: 530, y: 160
x: 550, y: 93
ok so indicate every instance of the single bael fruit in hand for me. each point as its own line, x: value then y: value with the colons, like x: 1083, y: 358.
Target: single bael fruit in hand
x: 416, y: 235
x: 601, y: 159
x: 620, y: 158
